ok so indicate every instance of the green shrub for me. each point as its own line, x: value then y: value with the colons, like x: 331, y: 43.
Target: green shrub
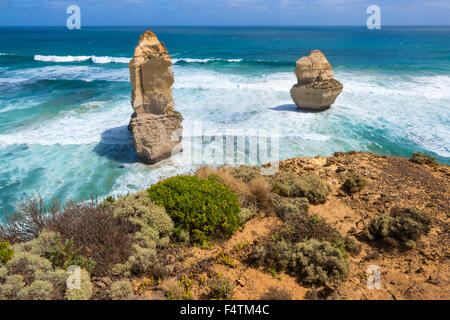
x: 6, y: 253
x: 403, y: 226
x: 355, y: 183
x: 200, y: 206
x: 121, y: 290
x: 308, y: 185
x: 221, y: 288
x: 423, y: 158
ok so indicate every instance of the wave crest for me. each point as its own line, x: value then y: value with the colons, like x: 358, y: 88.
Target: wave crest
x: 94, y: 59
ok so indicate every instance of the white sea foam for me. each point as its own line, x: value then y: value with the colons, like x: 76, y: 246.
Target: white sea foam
x: 107, y: 59
x: 94, y: 59
x: 402, y: 108
x: 59, y: 72
x: 194, y: 60
x: 72, y: 128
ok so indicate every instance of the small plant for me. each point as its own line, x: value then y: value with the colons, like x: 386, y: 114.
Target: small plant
x: 121, y: 290
x: 245, y: 173
x: 403, y: 226
x: 423, y: 158
x: 274, y: 273
x: 173, y: 289
x: 221, y: 288
x: 186, y: 283
x: 143, y: 286
x: 289, y: 209
x: 355, y: 183
x: 109, y: 200
x: 313, y: 262
x: 200, y: 206
x: 245, y: 214
x: 276, y: 294
x: 6, y: 253
x: 63, y: 256
x: 242, y: 245
x: 225, y: 259
x: 308, y: 185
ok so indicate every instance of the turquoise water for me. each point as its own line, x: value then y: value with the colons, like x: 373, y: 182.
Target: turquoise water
x: 64, y: 99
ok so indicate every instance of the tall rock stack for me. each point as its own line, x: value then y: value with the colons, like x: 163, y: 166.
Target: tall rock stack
x: 316, y: 88
x: 155, y: 125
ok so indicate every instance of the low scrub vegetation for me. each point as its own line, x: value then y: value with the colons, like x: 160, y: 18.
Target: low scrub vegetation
x: 6, y: 253
x: 153, y: 229
x: 312, y: 262
x: 289, y: 208
x: 275, y: 293
x: 308, y: 185
x: 423, y: 158
x: 221, y: 288
x: 402, y: 227
x: 355, y: 183
x: 30, y: 274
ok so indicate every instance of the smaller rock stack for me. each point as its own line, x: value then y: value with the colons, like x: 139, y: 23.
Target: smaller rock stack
x: 316, y: 88
x: 155, y: 125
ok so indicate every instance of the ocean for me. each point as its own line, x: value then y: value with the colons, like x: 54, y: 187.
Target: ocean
x: 65, y: 99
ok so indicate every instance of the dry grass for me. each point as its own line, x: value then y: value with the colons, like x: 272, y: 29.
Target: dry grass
x: 205, y: 171
x: 260, y: 190
x: 238, y: 187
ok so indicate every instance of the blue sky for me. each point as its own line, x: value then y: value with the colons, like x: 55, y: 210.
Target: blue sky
x: 223, y: 12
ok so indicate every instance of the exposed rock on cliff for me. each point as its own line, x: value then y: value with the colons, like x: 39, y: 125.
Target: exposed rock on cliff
x: 316, y: 87
x: 155, y: 125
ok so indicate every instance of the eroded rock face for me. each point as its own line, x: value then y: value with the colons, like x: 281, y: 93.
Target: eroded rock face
x: 316, y: 87
x: 155, y: 125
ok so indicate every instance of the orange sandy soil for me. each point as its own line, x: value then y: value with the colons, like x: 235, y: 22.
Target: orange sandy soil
x: 421, y: 273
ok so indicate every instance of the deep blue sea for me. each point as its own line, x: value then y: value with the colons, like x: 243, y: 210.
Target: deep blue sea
x: 65, y: 98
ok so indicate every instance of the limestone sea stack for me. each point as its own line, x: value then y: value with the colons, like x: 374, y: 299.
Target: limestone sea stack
x: 155, y: 125
x: 316, y: 88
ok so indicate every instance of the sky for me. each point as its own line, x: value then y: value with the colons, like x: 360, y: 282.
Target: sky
x: 223, y: 12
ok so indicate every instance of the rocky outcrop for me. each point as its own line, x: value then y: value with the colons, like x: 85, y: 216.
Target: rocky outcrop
x: 155, y: 125
x: 316, y: 87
